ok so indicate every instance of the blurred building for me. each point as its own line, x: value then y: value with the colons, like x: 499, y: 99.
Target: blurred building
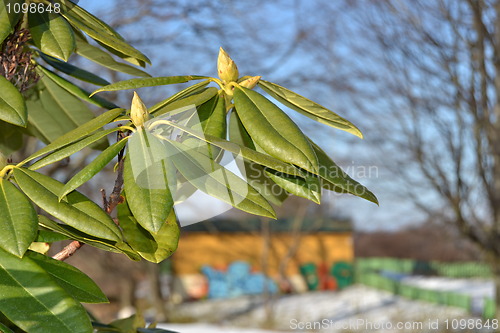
x: 295, y: 252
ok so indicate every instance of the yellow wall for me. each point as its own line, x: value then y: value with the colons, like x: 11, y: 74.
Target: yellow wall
x: 219, y: 250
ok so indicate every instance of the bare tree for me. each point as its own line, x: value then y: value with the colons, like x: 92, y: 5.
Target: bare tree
x: 426, y: 74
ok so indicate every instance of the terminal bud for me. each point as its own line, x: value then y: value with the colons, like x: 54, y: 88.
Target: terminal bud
x: 227, y: 69
x: 3, y: 161
x: 138, y: 111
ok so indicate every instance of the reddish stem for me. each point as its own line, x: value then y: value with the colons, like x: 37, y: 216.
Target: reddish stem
x: 109, y: 205
x: 68, y: 250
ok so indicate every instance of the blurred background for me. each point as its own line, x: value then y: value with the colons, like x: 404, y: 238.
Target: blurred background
x: 420, y: 79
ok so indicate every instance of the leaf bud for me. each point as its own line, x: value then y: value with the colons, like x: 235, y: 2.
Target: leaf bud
x: 3, y: 161
x: 138, y: 111
x: 251, y: 82
x: 227, y: 69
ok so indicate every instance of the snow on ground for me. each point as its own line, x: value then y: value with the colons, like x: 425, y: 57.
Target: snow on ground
x: 355, y: 309
x: 478, y: 289
x: 208, y: 328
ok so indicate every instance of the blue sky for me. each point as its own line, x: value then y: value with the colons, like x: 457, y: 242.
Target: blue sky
x: 188, y: 53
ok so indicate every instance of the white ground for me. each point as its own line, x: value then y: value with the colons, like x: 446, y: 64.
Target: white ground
x: 356, y: 309
x: 478, y: 289
x: 207, y: 328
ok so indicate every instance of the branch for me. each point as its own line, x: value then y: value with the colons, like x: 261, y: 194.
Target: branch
x: 115, y: 197
x: 108, y: 205
x: 68, y: 251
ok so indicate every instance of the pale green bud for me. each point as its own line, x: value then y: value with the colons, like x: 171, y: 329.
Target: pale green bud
x: 138, y: 111
x: 3, y: 161
x: 227, y: 69
x: 40, y: 247
x: 251, y: 82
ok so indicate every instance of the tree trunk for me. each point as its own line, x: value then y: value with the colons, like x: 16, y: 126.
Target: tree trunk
x: 496, y: 278
x: 266, y: 246
x: 156, y: 296
x: 495, y: 144
x: 494, y: 262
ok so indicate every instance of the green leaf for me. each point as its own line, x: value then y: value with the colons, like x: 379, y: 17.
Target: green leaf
x: 52, y: 34
x: 33, y: 300
x: 154, y: 330
x: 104, y: 59
x: 93, y: 167
x: 75, y: 90
x: 89, y: 18
x: 308, y: 108
x: 258, y: 178
x: 56, y: 112
x: 145, y: 179
x: 47, y: 236
x: 11, y: 138
x: 216, y: 181
x: 71, y: 149
x: 213, y: 121
x: 134, y: 61
x: 43, y: 128
x: 78, y: 133
x: 8, y: 19
x: 5, y: 329
x: 242, y: 151
x: 12, y: 105
x: 209, y: 119
x: 76, y: 210
x: 196, y: 99
x: 74, y: 71
x: 72, y: 280
x: 273, y: 130
x: 194, y: 89
x: 307, y: 187
x: 335, y: 179
x: 148, y: 82
x: 102, y: 328
x: 255, y: 173
x: 130, y: 324
x: 154, y: 247
x: 18, y: 219
x: 107, y: 40
x: 101, y: 32
x: 103, y: 244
